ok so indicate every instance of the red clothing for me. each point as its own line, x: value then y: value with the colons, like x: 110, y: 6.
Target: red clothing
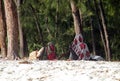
x: 51, y: 55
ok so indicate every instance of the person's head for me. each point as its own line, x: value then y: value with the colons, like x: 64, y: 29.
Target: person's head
x: 50, y: 43
x: 51, y: 46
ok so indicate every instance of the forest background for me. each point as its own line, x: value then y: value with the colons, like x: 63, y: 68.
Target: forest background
x: 42, y: 21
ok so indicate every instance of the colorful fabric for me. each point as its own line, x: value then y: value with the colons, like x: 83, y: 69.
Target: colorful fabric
x: 51, y: 56
x: 80, y: 48
x: 50, y: 50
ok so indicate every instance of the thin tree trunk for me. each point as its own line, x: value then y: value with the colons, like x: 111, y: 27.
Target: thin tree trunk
x: 105, y: 29
x: 47, y: 27
x: 12, y: 29
x: 20, y: 30
x: 56, y: 20
x: 2, y: 32
x: 100, y: 28
x: 76, y: 18
x: 81, y: 24
x: 92, y: 34
x: 26, y: 52
x: 37, y: 25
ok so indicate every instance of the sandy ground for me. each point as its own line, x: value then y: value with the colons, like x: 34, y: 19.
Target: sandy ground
x: 59, y: 71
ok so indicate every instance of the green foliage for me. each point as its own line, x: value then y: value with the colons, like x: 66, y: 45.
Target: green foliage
x: 62, y: 32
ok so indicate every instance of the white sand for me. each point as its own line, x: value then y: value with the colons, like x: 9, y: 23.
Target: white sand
x: 60, y: 71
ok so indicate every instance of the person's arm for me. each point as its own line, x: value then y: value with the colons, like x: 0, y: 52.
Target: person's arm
x: 40, y: 53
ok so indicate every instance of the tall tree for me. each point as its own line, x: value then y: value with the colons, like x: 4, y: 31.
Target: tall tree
x: 102, y: 15
x: 100, y: 27
x: 76, y: 18
x: 92, y: 32
x: 12, y: 28
x: 2, y: 31
x: 56, y: 19
x: 92, y: 35
x: 22, y: 47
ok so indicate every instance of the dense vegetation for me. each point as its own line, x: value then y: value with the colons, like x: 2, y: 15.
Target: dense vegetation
x: 53, y: 18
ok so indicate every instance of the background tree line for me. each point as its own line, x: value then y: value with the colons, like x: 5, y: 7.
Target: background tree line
x: 41, y: 21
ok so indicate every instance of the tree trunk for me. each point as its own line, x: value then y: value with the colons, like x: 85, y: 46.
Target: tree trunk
x: 56, y: 20
x: 76, y: 18
x: 92, y: 34
x: 20, y: 30
x: 100, y: 28
x: 2, y: 32
x: 26, y: 52
x: 105, y: 29
x: 12, y: 29
x: 37, y: 25
x: 47, y: 27
x: 81, y: 21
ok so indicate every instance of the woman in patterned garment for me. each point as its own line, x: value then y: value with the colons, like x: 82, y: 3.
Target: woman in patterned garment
x: 79, y: 50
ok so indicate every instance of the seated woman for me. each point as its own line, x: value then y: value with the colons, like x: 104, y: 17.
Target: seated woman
x: 79, y: 49
x: 45, y: 53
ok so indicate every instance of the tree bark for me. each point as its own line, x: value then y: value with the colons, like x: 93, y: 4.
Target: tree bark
x: 12, y: 29
x: 76, y: 18
x: 22, y: 52
x: 105, y: 29
x: 100, y: 28
x: 2, y: 32
x: 81, y: 21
